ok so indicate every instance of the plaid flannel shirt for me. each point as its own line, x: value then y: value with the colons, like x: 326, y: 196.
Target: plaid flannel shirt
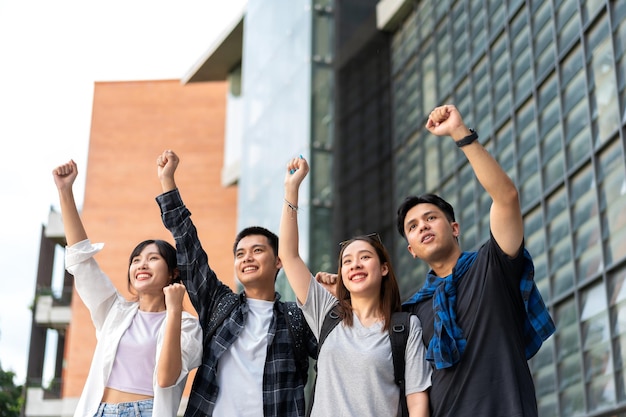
x: 283, y: 385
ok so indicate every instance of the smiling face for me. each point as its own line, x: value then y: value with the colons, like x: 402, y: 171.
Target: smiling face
x: 148, y: 271
x: 431, y: 236
x: 361, y: 269
x: 256, y: 264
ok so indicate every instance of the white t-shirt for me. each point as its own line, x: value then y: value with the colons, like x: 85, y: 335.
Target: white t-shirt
x: 355, y: 365
x: 240, y: 369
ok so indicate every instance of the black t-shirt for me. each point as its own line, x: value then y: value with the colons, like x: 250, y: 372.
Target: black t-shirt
x: 492, y: 379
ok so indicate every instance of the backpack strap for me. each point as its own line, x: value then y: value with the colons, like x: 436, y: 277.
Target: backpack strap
x: 330, y: 321
x: 220, y: 312
x: 297, y: 327
x: 399, y: 335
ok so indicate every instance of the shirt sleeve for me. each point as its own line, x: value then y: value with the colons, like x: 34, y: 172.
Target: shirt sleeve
x: 203, y: 286
x: 92, y: 285
x: 318, y: 302
x: 418, y: 372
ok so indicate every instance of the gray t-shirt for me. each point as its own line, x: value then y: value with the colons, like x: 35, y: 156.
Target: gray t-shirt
x: 355, y: 367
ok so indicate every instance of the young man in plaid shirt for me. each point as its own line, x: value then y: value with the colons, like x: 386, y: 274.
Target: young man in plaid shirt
x: 256, y: 348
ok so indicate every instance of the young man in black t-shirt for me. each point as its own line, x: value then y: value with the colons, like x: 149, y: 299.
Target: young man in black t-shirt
x: 481, y: 313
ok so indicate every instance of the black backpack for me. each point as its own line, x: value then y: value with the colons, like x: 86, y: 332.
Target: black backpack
x: 398, y: 334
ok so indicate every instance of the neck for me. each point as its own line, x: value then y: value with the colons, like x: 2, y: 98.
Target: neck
x: 443, y: 267
x: 366, y: 308
x: 265, y: 294
x: 151, y: 304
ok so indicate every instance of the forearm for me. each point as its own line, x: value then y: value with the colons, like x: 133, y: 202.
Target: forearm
x: 168, y: 184
x: 417, y: 403
x: 506, y: 219
x: 193, y: 263
x: 296, y: 270
x: 170, y: 359
x: 73, y: 225
x: 490, y: 174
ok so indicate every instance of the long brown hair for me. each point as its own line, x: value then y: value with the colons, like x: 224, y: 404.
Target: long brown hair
x: 389, y: 294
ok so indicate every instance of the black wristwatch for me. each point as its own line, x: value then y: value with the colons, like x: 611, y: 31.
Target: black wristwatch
x: 467, y: 139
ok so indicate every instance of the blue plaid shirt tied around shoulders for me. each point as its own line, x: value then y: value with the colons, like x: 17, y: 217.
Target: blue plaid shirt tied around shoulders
x: 448, y: 343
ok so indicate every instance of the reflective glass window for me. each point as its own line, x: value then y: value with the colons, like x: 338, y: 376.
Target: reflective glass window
x: 559, y: 246
x: 585, y: 223
x: 478, y: 28
x: 482, y: 98
x: 603, y: 90
x: 590, y: 8
x: 543, y: 37
x: 618, y: 16
x: 496, y: 15
x: 544, y: 375
x: 617, y: 305
x: 567, y: 24
x: 444, y: 60
x: 460, y: 45
x: 571, y: 393
x: 612, y: 190
x: 577, y: 134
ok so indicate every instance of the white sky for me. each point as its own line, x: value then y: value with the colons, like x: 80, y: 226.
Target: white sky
x: 51, y: 53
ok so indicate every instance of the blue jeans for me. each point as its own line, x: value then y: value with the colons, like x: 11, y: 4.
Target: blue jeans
x: 141, y: 408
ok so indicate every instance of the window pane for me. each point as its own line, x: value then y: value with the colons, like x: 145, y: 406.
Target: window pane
x: 553, y: 159
x: 596, y: 338
x: 567, y: 24
x: 612, y: 189
x: 577, y: 134
x: 585, y: 223
x: 560, y: 258
x: 617, y: 296
x: 603, y: 92
x: 544, y: 375
x: 567, y: 348
x: 619, y: 22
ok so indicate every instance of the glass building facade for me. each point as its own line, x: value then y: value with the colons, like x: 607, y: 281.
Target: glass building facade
x: 543, y: 83
x: 285, y: 110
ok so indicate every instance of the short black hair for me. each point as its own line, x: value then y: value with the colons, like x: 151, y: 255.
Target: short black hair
x: 257, y: 230
x: 413, y: 200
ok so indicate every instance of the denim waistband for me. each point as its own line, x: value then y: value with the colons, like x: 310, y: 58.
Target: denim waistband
x: 129, y: 407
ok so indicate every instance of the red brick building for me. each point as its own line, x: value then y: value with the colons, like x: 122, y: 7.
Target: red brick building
x: 132, y: 123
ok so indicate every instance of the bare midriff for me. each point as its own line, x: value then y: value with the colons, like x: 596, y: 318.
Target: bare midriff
x: 113, y: 396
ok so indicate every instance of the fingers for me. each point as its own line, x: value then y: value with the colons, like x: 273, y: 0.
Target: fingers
x: 168, y: 156
x: 326, y: 278
x: 174, y: 293
x: 65, y: 169
x: 439, y: 115
x: 298, y: 166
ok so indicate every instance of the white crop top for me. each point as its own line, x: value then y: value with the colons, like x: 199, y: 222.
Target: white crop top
x: 135, y: 359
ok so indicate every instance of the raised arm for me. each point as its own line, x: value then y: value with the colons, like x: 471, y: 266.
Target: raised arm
x: 170, y: 359
x: 505, y: 215
x: 64, y: 177
x: 203, y: 286
x: 298, y: 274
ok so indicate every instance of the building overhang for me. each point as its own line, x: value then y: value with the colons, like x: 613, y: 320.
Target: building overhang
x: 391, y: 13
x: 224, y: 55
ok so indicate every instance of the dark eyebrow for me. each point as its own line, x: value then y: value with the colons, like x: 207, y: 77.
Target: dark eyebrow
x: 371, y: 252
x: 258, y: 245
